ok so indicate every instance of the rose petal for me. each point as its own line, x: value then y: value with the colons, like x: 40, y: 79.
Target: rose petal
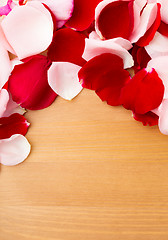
x: 109, y: 23
x: 150, y: 17
x: 141, y: 58
x: 63, y: 79
x: 37, y: 28
x: 105, y: 75
x: 148, y: 118
x: 68, y: 46
x: 28, y: 83
x: 143, y: 92
x: 62, y: 9
x: 14, y: 150
x: 5, y: 66
x: 14, y: 124
x: 96, y: 47
x: 83, y: 14
x: 160, y: 65
x: 158, y: 46
x: 4, y: 98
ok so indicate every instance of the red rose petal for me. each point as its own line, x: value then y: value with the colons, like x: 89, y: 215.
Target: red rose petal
x: 140, y: 56
x: 105, y: 75
x: 67, y: 46
x: 145, y: 40
x: 148, y: 118
x: 116, y: 20
x: 163, y: 29
x: 28, y: 83
x: 83, y: 14
x: 144, y: 92
x: 15, y: 124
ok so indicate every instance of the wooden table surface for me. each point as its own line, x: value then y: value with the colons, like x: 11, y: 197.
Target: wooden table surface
x: 93, y: 174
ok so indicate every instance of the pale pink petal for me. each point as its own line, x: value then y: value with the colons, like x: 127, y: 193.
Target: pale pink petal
x: 12, y: 107
x: 163, y: 10
x: 160, y: 64
x: 158, y: 46
x: 36, y: 26
x: 4, y: 98
x: 94, y: 35
x: 147, y: 19
x: 140, y: 3
x: 14, y: 150
x: 4, y: 41
x: 96, y: 47
x: 162, y: 112
x: 62, y: 9
x: 5, y: 66
x: 63, y: 79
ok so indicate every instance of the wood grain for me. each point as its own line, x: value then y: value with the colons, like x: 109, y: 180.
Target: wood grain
x: 94, y: 174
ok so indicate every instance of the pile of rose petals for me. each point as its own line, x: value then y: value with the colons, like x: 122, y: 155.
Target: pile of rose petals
x: 57, y: 47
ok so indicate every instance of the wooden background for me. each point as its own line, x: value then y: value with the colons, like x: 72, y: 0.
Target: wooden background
x: 94, y: 174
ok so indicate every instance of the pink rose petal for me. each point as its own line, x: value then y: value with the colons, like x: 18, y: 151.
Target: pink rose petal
x: 4, y: 98
x: 37, y: 28
x: 63, y: 79
x: 14, y: 150
x: 96, y: 47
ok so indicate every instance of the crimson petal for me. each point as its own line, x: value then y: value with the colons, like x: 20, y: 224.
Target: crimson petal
x: 143, y: 93
x: 15, y: 124
x: 83, y: 14
x: 105, y: 75
x: 116, y: 20
x: 67, y: 46
x: 148, y: 118
x: 28, y: 83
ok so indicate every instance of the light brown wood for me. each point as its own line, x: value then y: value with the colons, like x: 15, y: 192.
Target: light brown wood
x: 93, y: 174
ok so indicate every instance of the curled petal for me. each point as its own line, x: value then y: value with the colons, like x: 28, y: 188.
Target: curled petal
x: 68, y: 46
x: 105, y: 75
x: 14, y: 124
x: 109, y: 16
x: 28, y: 83
x: 83, y: 14
x: 149, y: 22
x: 14, y: 150
x: 96, y: 47
x: 37, y: 28
x: 143, y: 93
x: 158, y: 46
x: 63, y: 79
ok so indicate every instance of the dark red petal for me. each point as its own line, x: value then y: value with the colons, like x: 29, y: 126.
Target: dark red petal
x: 83, y: 14
x: 15, y: 124
x: 140, y: 56
x: 67, y: 46
x: 148, y: 118
x: 144, y: 92
x: 116, y: 20
x: 28, y: 83
x: 105, y: 75
x: 148, y: 36
x: 163, y: 29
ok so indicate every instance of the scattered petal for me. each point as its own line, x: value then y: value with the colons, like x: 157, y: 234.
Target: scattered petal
x: 148, y: 118
x: 68, y: 46
x: 28, y: 83
x: 14, y: 150
x: 63, y: 79
x: 105, y: 75
x: 96, y: 47
x: 37, y: 28
x: 143, y: 92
